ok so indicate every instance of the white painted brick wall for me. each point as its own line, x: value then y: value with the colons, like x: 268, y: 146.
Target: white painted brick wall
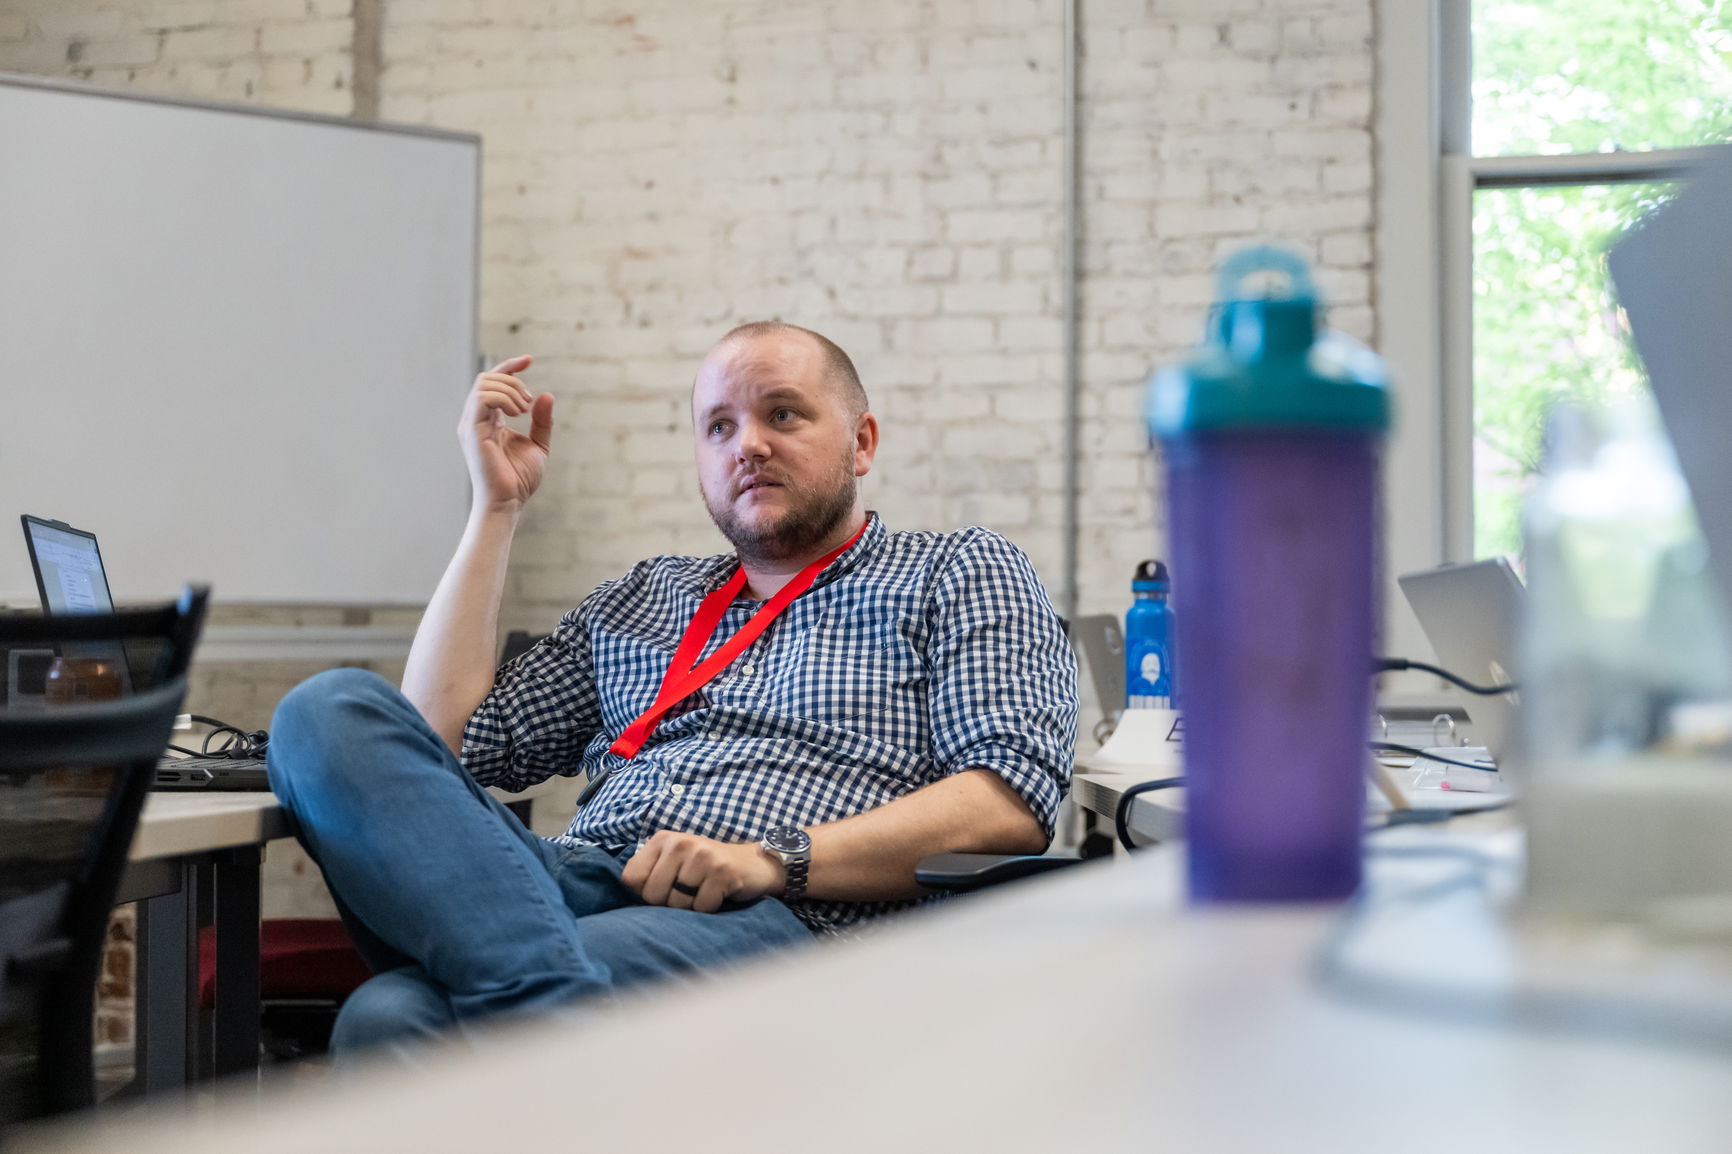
x: 888, y: 173
x: 283, y: 53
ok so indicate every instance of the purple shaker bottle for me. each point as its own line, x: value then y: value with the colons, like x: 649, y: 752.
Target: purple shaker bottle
x: 1271, y: 437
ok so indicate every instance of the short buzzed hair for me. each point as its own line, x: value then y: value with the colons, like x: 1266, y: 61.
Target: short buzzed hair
x: 838, y: 367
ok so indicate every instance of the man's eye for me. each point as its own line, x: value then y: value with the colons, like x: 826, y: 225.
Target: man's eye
x: 717, y: 428
x: 785, y: 414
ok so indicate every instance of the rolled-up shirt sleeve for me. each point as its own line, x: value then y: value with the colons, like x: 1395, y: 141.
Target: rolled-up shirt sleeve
x: 541, y: 714
x: 1003, y: 675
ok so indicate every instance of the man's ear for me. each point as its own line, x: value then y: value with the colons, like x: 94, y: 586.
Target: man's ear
x: 865, y: 443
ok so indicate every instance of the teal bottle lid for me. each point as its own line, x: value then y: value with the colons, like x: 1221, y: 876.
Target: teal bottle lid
x: 1265, y: 365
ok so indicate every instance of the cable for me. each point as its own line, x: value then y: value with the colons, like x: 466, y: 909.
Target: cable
x: 1393, y: 747
x: 1398, y: 664
x: 1401, y: 817
x: 241, y: 744
x: 1122, y: 813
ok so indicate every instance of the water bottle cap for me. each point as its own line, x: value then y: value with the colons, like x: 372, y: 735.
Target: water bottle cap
x: 1150, y: 577
x: 1264, y: 364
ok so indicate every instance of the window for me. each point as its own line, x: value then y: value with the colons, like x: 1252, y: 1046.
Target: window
x: 1563, y: 121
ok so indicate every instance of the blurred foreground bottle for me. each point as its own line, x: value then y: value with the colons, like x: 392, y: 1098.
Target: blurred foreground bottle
x: 1271, y: 436
x: 1626, y: 759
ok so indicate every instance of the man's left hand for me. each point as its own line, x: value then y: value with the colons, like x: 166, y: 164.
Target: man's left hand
x: 707, y: 872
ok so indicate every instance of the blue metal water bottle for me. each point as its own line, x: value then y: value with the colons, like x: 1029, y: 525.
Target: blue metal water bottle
x: 1149, y: 640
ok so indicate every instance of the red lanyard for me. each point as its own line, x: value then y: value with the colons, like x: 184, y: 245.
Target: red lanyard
x: 685, y: 677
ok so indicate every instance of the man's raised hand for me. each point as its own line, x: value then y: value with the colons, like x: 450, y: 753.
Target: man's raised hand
x: 505, y: 465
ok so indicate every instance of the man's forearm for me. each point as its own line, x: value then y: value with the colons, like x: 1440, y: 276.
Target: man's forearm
x: 451, y: 662
x: 871, y: 856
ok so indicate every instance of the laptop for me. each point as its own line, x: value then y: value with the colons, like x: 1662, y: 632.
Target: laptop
x: 1471, y: 614
x: 70, y: 578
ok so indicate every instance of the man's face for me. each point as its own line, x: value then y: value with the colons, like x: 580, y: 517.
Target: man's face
x: 778, y: 453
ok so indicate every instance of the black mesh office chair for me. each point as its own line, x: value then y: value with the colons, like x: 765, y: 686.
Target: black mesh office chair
x: 75, y: 761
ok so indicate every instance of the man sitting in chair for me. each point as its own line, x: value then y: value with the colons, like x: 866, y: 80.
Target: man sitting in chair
x: 773, y: 737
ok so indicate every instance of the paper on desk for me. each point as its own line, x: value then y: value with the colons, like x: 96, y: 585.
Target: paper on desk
x: 1144, y: 739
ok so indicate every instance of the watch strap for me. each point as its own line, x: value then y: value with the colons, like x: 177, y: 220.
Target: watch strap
x: 798, y: 866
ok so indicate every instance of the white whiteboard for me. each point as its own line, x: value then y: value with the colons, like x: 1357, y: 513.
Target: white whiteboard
x: 234, y: 344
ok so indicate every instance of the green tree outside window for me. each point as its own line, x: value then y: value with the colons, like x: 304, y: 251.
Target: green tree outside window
x: 1552, y: 77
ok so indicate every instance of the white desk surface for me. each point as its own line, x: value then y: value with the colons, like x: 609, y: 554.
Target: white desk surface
x: 181, y: 823
x: 1079, y: 1011
x: 175, y: 823
x: 1158, y: 815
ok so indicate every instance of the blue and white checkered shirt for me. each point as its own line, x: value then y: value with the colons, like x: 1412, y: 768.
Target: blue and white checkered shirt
x: 912, y: 657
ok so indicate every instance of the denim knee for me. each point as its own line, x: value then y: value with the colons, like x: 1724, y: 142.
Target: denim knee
x: 321, y: 705
x: 401, y: 1006
x: 309, y: 707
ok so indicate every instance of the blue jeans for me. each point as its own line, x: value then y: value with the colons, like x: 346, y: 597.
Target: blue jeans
x: 462, y: 913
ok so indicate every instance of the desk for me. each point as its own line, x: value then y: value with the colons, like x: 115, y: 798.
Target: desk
x: 193, y: 850
x: 1082, y: 1010
x: 1157, y: 816
x: 199, y: 854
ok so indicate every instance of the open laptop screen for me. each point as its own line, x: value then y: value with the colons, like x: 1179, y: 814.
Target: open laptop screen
x: 70, y: 578
x: 1471, y: 614
x: 68, y: 567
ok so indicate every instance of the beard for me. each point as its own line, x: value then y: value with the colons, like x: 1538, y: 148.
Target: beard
x: 818, y: 509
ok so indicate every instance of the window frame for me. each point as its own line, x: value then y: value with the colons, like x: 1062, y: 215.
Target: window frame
x: 1427, y: 178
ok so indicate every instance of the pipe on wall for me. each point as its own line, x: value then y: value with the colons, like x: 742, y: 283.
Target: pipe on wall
x: 1071, y: 495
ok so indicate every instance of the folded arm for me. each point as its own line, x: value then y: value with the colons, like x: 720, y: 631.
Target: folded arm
x: 1002, y: 704
x: 868, y: 857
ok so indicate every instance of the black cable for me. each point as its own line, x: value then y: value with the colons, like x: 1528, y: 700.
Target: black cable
x: 1398, y: 664
x: 241, y: 744
x: 1393, y: 747
x: 1401, y: 817
x: 1122, y: 814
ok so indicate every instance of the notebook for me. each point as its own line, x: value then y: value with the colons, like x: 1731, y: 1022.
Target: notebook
x: 70, y: 578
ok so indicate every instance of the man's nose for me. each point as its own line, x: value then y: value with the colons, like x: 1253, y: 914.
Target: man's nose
x: 753, y: 443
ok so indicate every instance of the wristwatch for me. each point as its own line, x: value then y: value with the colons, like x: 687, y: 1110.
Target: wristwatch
x: 794, y: 846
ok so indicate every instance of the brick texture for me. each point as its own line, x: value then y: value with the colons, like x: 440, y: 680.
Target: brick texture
x: 887, y: 173
x: 892, y: 178
x: 284, y: 53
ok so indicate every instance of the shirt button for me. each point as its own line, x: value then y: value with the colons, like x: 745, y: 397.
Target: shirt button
x: 746, y: 670
x: 676, y: 790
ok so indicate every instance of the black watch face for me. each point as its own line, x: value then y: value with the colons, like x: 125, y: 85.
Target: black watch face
x: 788, y: 839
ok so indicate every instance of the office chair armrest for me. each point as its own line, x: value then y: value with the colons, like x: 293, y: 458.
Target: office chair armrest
x: 960, y: 872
